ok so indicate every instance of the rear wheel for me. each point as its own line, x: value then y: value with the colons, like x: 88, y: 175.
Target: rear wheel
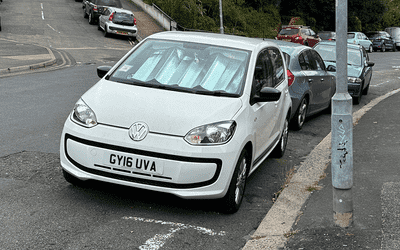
x: 91, y: 20
x: 300, y: 115
x: 233, y: 198
x: 383, y: 49
x: 370, y: 49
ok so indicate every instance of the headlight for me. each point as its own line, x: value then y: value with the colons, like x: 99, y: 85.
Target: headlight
x: 83, y: 115
x: 211, y: 134
x: 354, y: 80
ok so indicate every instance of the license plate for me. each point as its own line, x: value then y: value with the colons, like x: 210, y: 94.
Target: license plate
x: 122, y: 33
x: 133, y: 163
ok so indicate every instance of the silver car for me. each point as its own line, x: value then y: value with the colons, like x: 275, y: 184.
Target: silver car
x: 119, y: 22
x: 311, y: 86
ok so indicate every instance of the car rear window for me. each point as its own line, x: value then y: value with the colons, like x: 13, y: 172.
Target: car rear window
x: 185, y: 66
x: 123, y: 19
x: 351, y: 35
x: 288, y: 31
x: 110, y: 3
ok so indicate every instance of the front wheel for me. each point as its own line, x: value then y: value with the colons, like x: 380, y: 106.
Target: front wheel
x: 280, y: 148
x: 72, y: 179
x: 233, y: 199
x: 357, y: 99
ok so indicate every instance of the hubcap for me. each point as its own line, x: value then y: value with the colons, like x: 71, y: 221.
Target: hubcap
x: 302, y: 112
x: 241, y: 181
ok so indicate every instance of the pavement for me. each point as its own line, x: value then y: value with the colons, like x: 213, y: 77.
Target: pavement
x: 302, y: 216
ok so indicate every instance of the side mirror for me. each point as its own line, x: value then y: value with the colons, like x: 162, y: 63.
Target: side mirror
x: 267, y: 94
x: 369, y: 64
x: 103, y: 70
x: 331, y: 68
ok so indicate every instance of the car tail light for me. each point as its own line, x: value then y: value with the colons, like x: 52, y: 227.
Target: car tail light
x: 290, y: 77
x: 95, y: 8
x: 134, y: 20
x: 111, y: 17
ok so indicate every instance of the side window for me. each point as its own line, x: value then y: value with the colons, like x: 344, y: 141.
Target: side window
x: 278, y: 68
x: 318, y: 60
x: 269, y: 71
x: 303, y: 61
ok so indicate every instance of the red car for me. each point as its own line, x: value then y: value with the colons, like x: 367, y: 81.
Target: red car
x: 298, y: 34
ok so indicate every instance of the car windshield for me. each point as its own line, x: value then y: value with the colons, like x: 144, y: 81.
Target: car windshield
x: 123, y: 18
x: 185, y: 66
x: 288, y: 32
x: 328, y: 53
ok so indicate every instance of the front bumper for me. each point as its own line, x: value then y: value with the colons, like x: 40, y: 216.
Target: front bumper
x: 187, y: 171
x: 354, y: 89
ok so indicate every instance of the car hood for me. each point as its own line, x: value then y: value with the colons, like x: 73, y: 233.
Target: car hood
x: 352, y: 70
x: 164, y: 111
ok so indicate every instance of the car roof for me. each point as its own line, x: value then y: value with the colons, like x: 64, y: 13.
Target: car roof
x: 114, y: 9
x: 290, y: 47
x: 225, y: 40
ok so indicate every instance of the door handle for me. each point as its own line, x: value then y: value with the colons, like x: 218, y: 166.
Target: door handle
x: 310, y: 80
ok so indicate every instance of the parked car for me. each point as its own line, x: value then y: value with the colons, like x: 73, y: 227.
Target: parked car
x: 327, y: 35
x: 311, y: 86
x: 187, y: 113
x: 360, y: 39
x: 359, y: 68
x: 381, y: 40
x: 119, y: 22
x: 92, y: 9
x: 394, y: 32
x: 298, y: 34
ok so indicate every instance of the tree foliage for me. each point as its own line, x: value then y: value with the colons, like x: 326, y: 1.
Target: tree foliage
x: 261, y: 18
x: 257, y: 18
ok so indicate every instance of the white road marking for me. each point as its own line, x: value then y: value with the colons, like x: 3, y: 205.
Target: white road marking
x: 377, y: 85
x: 53, y: 28
x: 159, y: 240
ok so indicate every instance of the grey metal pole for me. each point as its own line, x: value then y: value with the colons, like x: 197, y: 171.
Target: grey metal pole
x: 220, y: 18
x: 342, y: 128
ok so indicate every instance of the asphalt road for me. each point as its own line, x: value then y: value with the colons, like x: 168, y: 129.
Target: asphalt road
x: 39, y: 210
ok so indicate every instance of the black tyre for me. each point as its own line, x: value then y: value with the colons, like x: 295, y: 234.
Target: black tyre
x: 91, y: 19
x: 383, y: 49
x: 357, y: 99
x: 280, y: 148
x: 370, y: 49
x: 105, y: 31
x: 365, y: 91
x: 394, y: 48
x: 72, y: 179
x: 85, y: 15
x: 231, y: 202
x: 300, y: 116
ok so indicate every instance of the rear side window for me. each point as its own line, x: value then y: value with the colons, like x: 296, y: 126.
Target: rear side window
x: 307, y: 61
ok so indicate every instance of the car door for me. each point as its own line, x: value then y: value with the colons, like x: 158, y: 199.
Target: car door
x: 327, y: 83
x: 313, y: 78
x: 264, y: 114
x: 367, y: 70
x: 103, y: 18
